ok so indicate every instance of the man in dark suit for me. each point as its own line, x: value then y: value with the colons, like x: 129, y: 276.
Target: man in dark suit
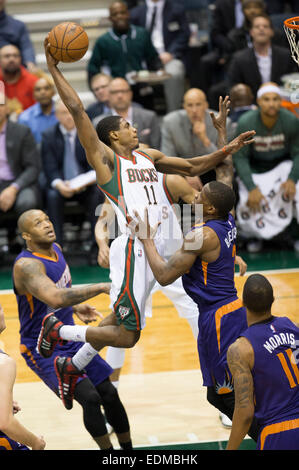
x: 263, y: 62
x: 99, y: 84
x: 144, y: 120
x: 167, y: 23
x: 19, y: 169
x: 226, y: 16
x: 63, y: 159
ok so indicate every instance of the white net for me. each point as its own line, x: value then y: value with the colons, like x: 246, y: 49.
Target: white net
x: 293, y: 37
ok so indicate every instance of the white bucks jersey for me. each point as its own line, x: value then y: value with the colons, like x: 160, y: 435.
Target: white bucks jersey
x: 135, y: 186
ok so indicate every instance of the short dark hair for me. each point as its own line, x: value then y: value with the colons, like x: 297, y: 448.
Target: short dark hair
x: 258, y: 294
x: 107, y: 125
x: 222, y: 197
x: 263, y: 15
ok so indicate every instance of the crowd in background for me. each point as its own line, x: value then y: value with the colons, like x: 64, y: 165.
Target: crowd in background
x: 246, y: 56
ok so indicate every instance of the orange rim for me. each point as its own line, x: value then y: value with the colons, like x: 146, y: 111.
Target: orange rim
x: 288, y: 23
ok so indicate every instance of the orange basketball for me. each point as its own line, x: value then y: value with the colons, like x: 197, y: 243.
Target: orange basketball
x: 68, y: 42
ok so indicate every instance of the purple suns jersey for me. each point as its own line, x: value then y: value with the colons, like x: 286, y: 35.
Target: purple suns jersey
x: 276, y: 369
x: 212, y: 284
x: 32, y: 310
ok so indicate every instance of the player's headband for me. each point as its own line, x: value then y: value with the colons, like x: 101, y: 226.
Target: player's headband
x: 268, y: 89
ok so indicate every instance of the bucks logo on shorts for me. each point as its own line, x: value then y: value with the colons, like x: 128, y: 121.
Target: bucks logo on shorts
x: 123, y: 311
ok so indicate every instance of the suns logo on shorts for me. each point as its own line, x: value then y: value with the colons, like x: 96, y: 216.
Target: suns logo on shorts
x: 123, y: 311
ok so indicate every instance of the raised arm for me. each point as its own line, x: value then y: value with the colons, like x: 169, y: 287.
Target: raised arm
x: 225, y: 170
x: 200, y: 242
x: 30, y: 278
x: 240, y: 359
x: 99, y: 155
x: 199, y: 165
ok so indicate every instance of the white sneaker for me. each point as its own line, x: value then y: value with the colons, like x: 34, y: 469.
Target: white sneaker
x: 226, y: 422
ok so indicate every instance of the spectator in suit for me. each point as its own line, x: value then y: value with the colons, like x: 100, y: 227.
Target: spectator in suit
x: 18, y: 81
x: 227, y: 15
x: 268, y: 170
x: 63, y: 159
x: 240, y: 38
x: 99, y: 84
x: 145, y: 121
x: 19, y: 169
x: 40, y: 115
x: 190, y: 132
x: 263, y: 62
x: 13, y: 31
x: 124, y: 50
x: 167, y: 23
x: 279, y: 6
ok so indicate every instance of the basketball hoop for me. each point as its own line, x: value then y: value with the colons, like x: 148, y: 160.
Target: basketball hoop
x: 291, y: 27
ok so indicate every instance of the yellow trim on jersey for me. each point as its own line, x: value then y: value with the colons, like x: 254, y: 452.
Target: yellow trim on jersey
x: 277, y: 428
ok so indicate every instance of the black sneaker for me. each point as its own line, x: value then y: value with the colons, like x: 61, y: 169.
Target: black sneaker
x: 49, y: 335
x: 67, y: 375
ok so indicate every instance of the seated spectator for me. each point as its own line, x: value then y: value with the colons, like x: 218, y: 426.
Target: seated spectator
x: 124, y: 50
x: 263, y: 62
x: 19, y: 169
x: 13, y: 31
x: 280, y: 6
x: 226, y: 16
x: 190, y: 132
x: 145, y: 121
x: 18, y: 82
x: 242, y: 100
x: 268, y: 169
x: 41, y: 115
x: 167, y: 24
x: 99, y: 84
x: 240, y: 37
x: 63, y: 159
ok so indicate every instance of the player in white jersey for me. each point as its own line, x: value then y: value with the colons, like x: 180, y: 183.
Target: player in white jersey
x: 111, y: 150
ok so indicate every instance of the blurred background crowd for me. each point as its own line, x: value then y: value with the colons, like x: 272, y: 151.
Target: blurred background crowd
x: 162, y: 65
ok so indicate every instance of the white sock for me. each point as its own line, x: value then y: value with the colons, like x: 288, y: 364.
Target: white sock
x: 115, y: 357
x: 73, y: 332
x: 84, y: 356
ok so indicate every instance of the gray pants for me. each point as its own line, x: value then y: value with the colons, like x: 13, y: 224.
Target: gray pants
x: 174, y: 87
x: 27, y: 198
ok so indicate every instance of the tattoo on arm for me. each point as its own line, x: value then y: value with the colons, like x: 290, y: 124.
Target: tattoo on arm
x: 243, y: 382
x: 35, y: 281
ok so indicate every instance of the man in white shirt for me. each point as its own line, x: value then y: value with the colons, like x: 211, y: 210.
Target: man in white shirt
x: 263, y: 62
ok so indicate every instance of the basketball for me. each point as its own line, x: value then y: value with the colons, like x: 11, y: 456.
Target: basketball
x: 68, y: 42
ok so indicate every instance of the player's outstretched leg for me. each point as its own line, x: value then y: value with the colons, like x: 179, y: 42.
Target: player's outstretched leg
x: 67, y: 375
x: 49, y: 335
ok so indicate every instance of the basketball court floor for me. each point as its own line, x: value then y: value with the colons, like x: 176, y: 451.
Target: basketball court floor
x: 161, y: 384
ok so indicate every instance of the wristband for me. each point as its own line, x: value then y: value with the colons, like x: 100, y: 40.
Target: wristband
x: 225, y: 151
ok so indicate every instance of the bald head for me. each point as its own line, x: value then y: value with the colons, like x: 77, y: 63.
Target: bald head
x: 195, y: 104
x: 26, y: 220
x: 36, y: 229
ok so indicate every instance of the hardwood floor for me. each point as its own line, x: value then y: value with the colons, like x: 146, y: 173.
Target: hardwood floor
x: 160, y: 386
